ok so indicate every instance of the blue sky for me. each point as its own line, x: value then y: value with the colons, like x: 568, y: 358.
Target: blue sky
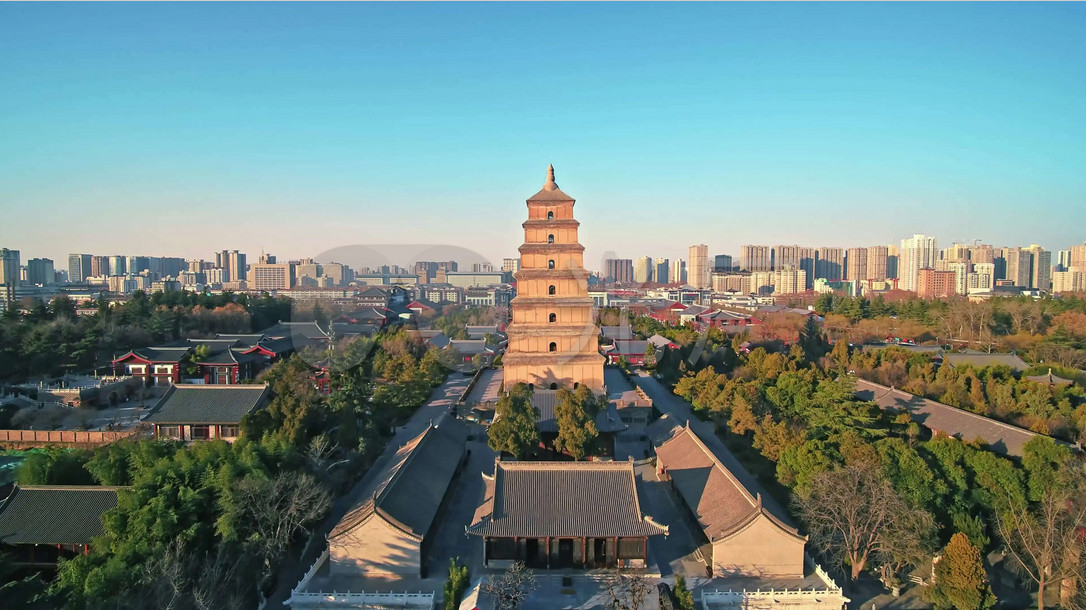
x: 179, y: 129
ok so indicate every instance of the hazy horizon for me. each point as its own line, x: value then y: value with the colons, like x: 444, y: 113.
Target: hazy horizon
x: 182, y: 129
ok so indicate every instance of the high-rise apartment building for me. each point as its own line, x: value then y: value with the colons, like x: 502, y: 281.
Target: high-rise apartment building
x: 961, y: 270
x: 1018, y: 263
x: 642, y: 272
x: 856, y: 264
x: 79, y: 267
x: 1071, y: 280
x: 893, y: 262
x: 722, y: 263
x: 790, y: 280
x: 981, y: 253
x: 1040, y: 263
x: 678, y: 271
x: 982, y: 279
x: 233, y: 265
x: 621, y: 270
x: 918, y: 252
x: 698, y: 266
x: 1077, y: 257
x: 956, y: 253
x: 830, y: 264
x: 510, y: 265
x: 755, y: 258
x: 341, y: 274
x: 876, y: 262
x: 307, y: 268
x: 9, y: 273
x: 99, y: 266
x: 661, y: 271
x: 1063, y: 260
x: 40, y: 271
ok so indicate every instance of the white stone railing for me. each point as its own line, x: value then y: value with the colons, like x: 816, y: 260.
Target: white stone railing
x: 304, y: 582
x: 362, y: 600
x: 825, y: 577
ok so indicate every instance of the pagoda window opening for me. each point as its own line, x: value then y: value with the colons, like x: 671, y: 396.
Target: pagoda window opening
x: 550, y: 264
x: 554, y: 386
x: 550, y: 215
x: 550, y: 239
x: 553, y: 347
x: 551, y: 290
x: 552, y: 318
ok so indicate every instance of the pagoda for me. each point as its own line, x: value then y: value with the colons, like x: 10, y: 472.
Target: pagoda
x: 553, y: 339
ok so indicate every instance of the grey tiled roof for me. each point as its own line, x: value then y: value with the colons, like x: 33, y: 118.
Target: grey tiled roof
x: 617, y: 332
x: 722, y: 495
x: 54, y: 514
x: 308, y: 330
x: 208, y: 404
x: 980, y: 359
x: 1000, y: 437
x: 409, y: 488
x: 469, y: 347
x: 162, y: 354
x: 1050, y: 379
x: 538, y: 499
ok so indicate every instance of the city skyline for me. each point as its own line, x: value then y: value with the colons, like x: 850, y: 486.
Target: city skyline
x: 817, y: 124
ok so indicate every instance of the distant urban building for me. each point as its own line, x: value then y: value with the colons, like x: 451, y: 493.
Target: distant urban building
x: 876, y: 263
x: 961, y: 270
x: 982, y: 279
x: 40, y: 271
x: 338, y: 273
x: 619, y: 269
x: 755, y: 258
x: 678, y: 271
x: 118, y: 265
x: 661, y: 271
x: 510, y: 265
x: 643, y: 270
x: 79, y: 267
x: 1018, y: 262
x: 482, y: 268
x: 932, y: 284
x: 1040, y: 263
x: 280, y: 276
x: 1078, y: 257
x: 956, y: 253
x: 233, y: 265
x: 731, y: 282
x: 698, y: 266
x: 9, y: 273
x: 1063, y: 260
x: 918, y: 252
x: 789, y: 280
x: 830, y: 263
x: 473, y: 279
x: 722, y: 263
x: 981, y: 253
x: 893, y: 259
x: 856, y: 264
x: 1071, y: 280
x: 99, y: 266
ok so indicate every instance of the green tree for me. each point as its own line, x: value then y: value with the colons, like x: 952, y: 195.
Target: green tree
x: 575, y: 413
x: 456, y: 584
x: 683, y: 594
x: 650, y: 357
x: 514, y: 429
x: 960, y: 580
x: 55, y: 466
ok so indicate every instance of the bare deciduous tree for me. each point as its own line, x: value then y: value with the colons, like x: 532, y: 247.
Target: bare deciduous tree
x: 626, y: 591
x: 1043, y: 540
x: 513, y: 587
x: 280, y: 508
x: 849, y: 511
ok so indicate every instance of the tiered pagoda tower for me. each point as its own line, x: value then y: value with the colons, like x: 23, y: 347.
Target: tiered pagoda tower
x: 553, y: 340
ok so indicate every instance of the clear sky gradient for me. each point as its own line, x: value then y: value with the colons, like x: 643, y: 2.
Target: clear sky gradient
x: 180, y: 129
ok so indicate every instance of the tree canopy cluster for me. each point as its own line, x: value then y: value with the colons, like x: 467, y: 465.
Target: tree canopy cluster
x: 51, y: 339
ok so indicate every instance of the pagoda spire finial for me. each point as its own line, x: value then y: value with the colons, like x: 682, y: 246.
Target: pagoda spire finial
x: 550, y: 184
